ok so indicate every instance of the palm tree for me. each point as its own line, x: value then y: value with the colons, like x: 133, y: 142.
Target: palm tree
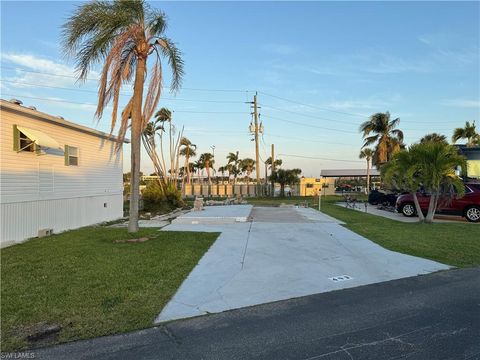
x: 469, y: 133
x: 388, y: 139
x: 124, y: 34
x: 437, y: 163
x: 233, y: 165
x: 403, y: 173
x: 247, y: 166
x: 277, y: 163
x: 285, y: 177
x: 207, y: 161
x: 199, y: 166
x: 188, y: 150
x: 223, y: 170
x: 367, y: 154
x: 434, y: 137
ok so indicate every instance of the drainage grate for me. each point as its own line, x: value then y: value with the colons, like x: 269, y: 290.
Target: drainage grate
x: 341, y: 278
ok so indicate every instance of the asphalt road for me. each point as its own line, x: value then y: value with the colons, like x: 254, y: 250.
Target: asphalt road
x: 435, y: 316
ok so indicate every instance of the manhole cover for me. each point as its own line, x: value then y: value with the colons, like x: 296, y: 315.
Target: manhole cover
x: 341, y: 278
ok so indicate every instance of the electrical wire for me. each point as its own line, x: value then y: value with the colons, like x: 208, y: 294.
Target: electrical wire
x: 312, y: 106
x: 85, y: 103
x: 121, y: 93
x: 92, y: 79
x: 319, y: 158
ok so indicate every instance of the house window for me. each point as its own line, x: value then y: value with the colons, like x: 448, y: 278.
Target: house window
x: 309, y: 186
x: 71, y: 156
x: 22, y: 142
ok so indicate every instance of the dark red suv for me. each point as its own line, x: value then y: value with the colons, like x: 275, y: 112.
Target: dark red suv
x: 467, y: 206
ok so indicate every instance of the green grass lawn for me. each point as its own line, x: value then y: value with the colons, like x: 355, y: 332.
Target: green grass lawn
x: 90, y: 285
x: 456, y: 244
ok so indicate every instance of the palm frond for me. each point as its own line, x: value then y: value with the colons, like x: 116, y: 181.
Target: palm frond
x: 174, y: 57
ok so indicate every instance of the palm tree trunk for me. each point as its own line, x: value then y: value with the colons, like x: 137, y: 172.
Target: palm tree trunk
x: 421, y: 217
x: 136, y: 131
x: 282, y: 190
x: 431, y: 208
x: 208, y: 174
x: 368, y: 176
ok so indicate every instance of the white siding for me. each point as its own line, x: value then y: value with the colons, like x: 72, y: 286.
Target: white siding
x: 39, y: 191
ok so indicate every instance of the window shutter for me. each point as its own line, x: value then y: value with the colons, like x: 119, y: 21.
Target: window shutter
x: 67, y: 158
x: 16, y: 138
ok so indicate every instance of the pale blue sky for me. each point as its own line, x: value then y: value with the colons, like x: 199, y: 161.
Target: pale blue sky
x: 418, y: 60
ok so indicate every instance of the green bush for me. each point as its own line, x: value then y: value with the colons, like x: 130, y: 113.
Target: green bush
x: 154, y: 196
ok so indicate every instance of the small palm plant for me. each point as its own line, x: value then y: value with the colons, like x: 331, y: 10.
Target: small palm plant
x: 233, y: 165
x: 123, y: 35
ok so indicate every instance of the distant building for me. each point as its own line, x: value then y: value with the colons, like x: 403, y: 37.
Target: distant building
x: 55, y: 175
x: 473, y: 160
x: 313, y: 186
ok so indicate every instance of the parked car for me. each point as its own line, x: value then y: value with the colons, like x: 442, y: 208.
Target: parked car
x: 467, y: 206
x: 378, y: 197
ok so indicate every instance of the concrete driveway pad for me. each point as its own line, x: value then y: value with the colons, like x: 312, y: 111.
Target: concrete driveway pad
x: 283, y: 253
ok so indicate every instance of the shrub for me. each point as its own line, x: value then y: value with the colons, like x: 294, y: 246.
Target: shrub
x: 154, y: 196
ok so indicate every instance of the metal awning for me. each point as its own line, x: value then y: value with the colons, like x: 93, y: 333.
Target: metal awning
x: 40, y: 138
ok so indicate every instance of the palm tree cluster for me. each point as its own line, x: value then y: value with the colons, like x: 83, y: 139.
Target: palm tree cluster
x: 285, y: 177
x: 430, y: 165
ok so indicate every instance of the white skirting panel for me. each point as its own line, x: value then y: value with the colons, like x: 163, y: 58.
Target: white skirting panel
x: 23, y: 220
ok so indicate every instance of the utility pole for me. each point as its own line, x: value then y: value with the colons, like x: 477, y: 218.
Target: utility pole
x: 257, y: 154
x: 273, y: 169
x: 256, y: 128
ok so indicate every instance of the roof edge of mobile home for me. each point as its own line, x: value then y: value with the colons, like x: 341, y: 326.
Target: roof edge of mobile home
x: 6, y: 105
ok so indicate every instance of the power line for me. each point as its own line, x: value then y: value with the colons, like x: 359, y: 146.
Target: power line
x: 92, y: 79
x: 310, y: 140
x: 318, y: 158
x: 121, y: 93
x: 312, y: 106
x: 85, y: 103
x: 310, y: 125
x: 310, y: 116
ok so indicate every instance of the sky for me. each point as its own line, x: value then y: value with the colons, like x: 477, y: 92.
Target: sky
x: 320, y: 70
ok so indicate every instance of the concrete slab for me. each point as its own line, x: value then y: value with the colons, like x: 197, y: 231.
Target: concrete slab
x: 226, y: 214
x: 284, y: 253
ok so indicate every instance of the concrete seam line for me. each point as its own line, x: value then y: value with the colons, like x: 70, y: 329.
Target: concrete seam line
x: 246, y: 243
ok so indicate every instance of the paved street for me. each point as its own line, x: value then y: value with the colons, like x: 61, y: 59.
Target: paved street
x: 283, y: 253
x: 435, y: 316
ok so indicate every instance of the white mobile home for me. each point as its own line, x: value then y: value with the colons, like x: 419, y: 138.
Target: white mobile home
x: 55, y: 175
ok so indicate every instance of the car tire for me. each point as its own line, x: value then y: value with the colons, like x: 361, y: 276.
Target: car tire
x: 408, y: 210
x: 472, y: 213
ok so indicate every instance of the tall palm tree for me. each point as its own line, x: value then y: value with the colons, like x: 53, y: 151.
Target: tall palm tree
x: 223, y: 170
x: 188, y: 150
x: 276, y: 164
x: 434, y: 137
x: 387, y: 138
x: 469, y: 133
x: 199, y: 166
x: 233, y: 165
x: 247, y: 165
x: 207, y: 161
x: 123, y: 35
x: 367, y: 154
